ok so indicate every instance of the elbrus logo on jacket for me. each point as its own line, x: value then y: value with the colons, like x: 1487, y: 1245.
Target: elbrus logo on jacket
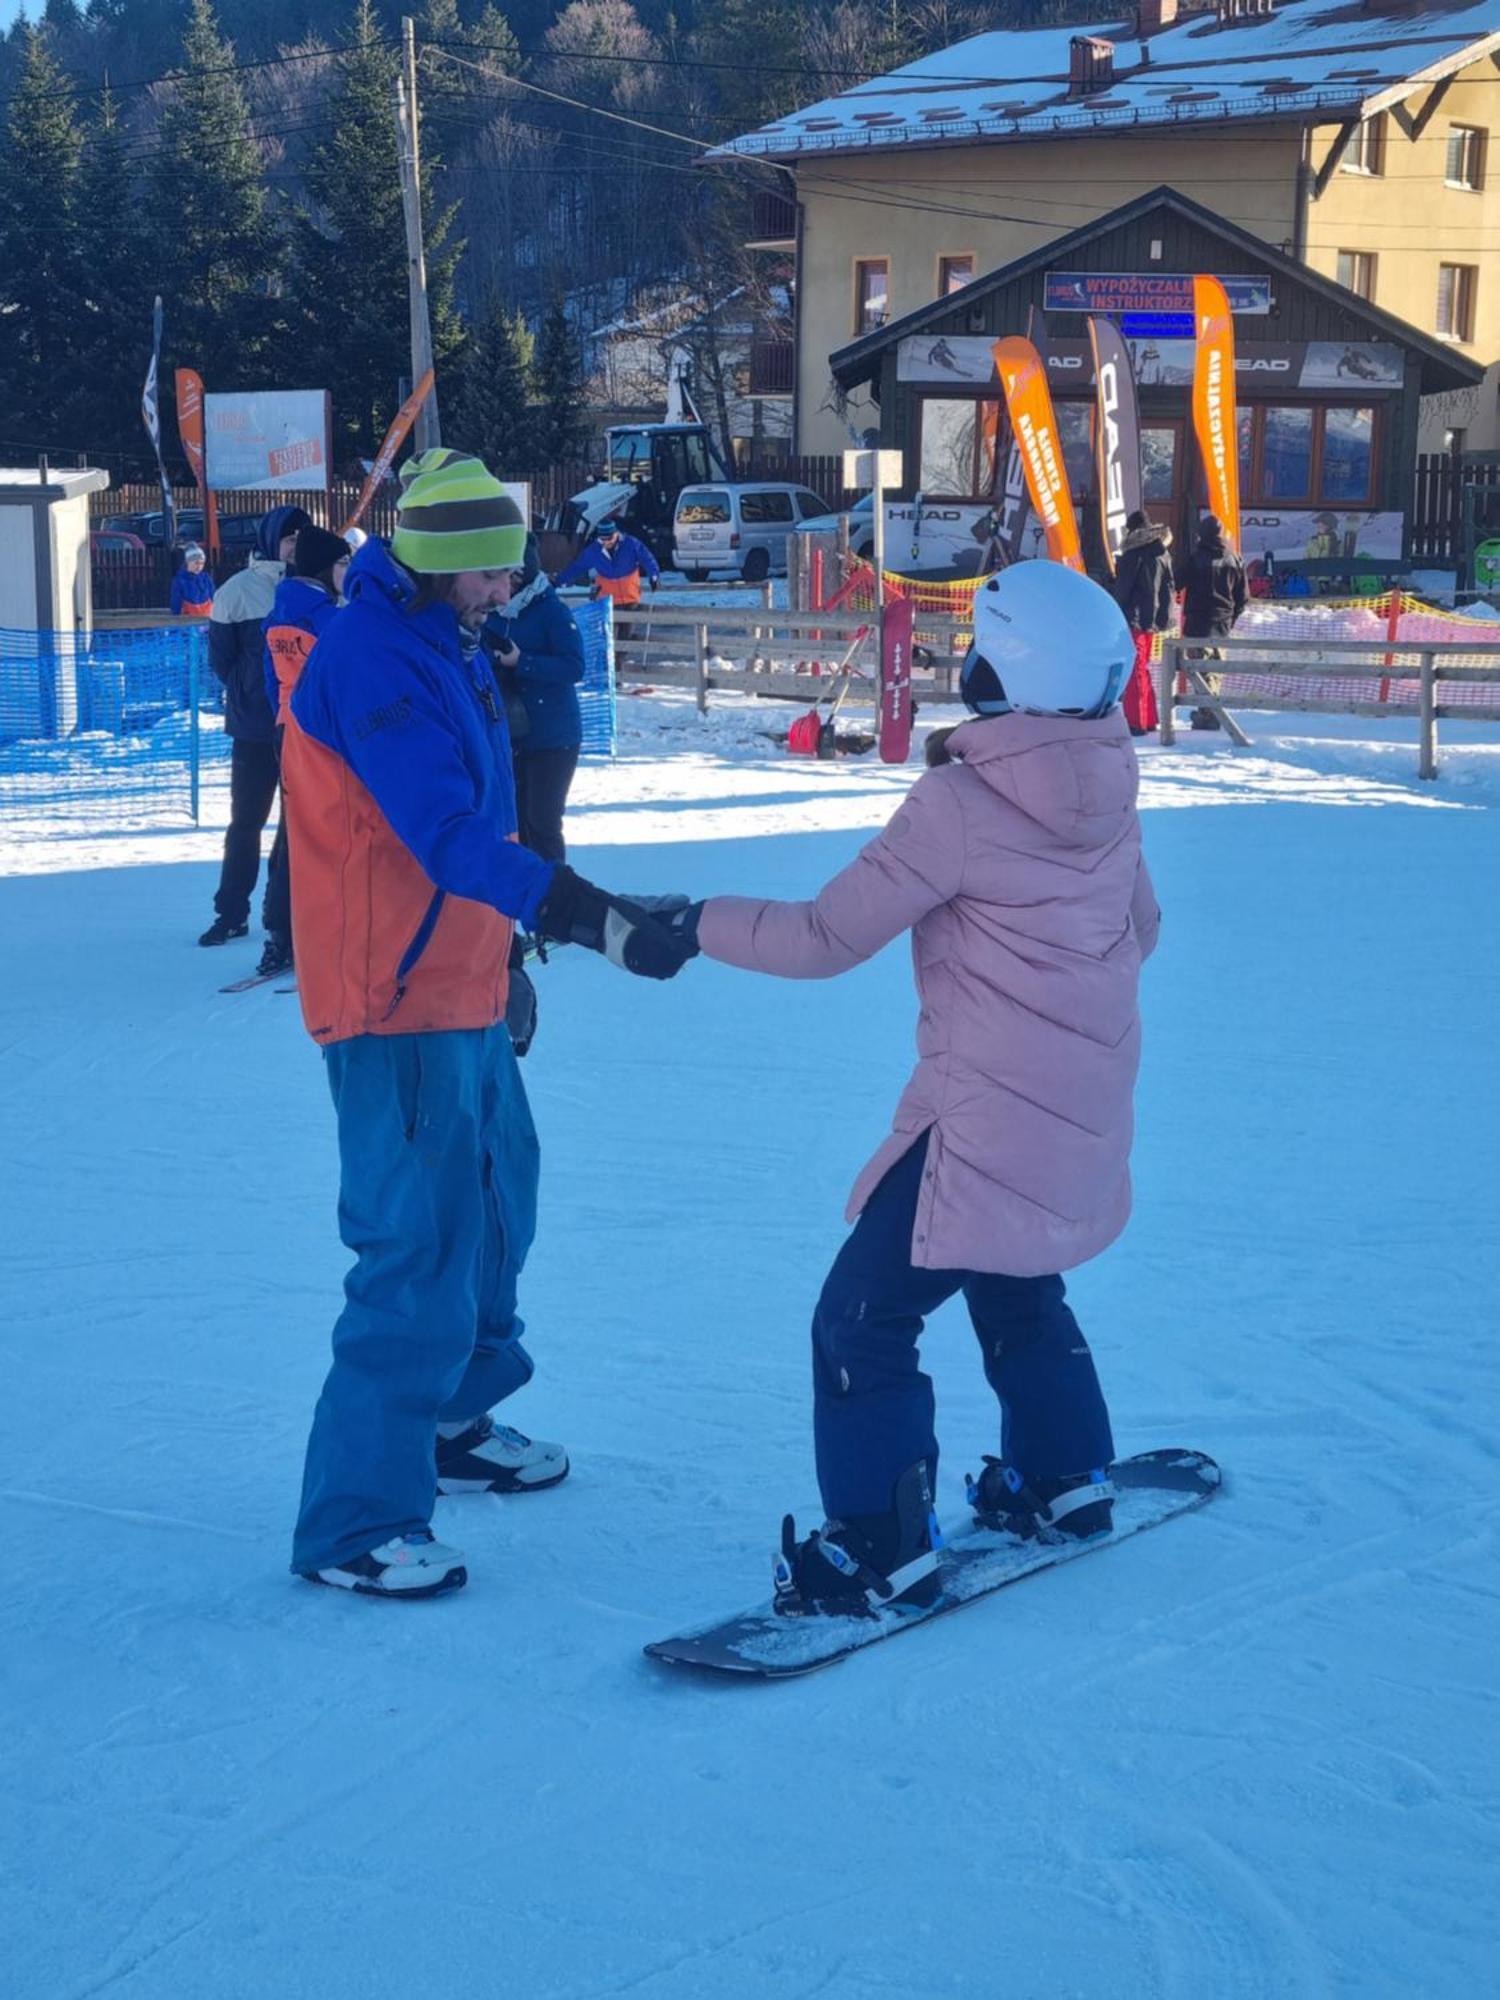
x: 300, y: 613
x: 402, y: 820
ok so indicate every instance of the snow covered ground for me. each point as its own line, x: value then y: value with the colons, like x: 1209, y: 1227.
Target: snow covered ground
x: 1252, y: 1755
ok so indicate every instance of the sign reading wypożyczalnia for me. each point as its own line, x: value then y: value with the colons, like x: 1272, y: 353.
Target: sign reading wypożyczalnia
x: 1145, y: 292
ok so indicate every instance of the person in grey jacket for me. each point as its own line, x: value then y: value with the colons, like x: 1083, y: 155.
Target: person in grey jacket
x: 236, y: 652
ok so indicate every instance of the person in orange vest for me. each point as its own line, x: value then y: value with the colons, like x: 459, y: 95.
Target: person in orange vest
x: 614, y: 562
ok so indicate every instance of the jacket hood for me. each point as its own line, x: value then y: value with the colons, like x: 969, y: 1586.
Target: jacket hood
x: 294, y: 594
x: 1212, y: 543
x: 278, y: 523
x: 374, y: 571
x: 1077, y: 779
x: 1140, y: 538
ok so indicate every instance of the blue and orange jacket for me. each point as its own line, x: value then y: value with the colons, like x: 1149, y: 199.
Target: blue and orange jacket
x: 616, y: 575
x: 300, y: 614
x: 401, y: 811
x: 192, y: 594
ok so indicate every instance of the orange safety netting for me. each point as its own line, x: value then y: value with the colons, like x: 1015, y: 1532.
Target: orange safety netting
x: 1395, y: 617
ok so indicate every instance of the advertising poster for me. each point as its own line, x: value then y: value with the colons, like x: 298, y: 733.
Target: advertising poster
x: 1307, y: 534
x: 269, y: 440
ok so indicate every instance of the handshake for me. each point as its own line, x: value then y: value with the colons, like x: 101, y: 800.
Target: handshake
x: 652, y: 936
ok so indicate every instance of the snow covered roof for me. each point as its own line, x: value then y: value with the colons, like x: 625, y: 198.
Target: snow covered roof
x: 1308, y: 59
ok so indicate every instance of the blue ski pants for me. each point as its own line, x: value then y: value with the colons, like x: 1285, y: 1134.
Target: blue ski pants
x: 438, y: 1167
x: 873, y: 1407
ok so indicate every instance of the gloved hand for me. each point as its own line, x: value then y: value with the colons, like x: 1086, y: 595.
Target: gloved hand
x: 576, y: 912
x: 659, y: 906
x: 655, y: 580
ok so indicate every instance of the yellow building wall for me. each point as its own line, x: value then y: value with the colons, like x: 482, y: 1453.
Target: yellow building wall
x: 998, y: 202
x: 1412, y: 222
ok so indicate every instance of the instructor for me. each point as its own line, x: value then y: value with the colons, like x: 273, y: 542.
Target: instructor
x: 408, y: 877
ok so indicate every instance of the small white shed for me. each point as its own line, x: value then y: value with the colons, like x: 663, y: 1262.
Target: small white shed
x: 44, y: 548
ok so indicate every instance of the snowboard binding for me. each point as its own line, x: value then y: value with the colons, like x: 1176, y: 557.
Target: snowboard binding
x: 862, y: 1566
x: 1051, y: 1510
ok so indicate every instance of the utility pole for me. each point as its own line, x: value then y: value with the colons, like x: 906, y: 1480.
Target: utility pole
x: 428, y: 430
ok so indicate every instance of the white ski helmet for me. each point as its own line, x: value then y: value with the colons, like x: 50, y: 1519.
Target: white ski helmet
x: 1047, y: 641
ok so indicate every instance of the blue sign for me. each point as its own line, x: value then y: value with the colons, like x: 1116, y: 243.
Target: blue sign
x: 1158, y: 326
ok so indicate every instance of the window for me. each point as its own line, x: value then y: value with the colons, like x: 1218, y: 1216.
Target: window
x: 1286, y: 463
x: 1457, y: 284
x: 757, y: 507
x: 1466, y: 150
x: 958, y: 448
x: 1365, y: 152
x: 1075, y: 428
x: 703, y: 510
x: 954, y: 273
x: 811, y: 506
x: 872, y: 293
x: 1357, y: 272
x: 1159, y: 463
x: 1348, y: 455
x: 1305, y: 454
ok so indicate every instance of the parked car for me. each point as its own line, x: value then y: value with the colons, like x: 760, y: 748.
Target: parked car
x: 236, y: 531
x: 738, y: 527
x: 108, y: 542
x: 861, y: 519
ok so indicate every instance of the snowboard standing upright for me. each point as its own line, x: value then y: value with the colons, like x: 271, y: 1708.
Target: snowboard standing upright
x: 896, y: 621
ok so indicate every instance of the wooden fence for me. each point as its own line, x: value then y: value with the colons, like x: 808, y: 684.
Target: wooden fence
x: 1309, y: 666
x: 775, y: 654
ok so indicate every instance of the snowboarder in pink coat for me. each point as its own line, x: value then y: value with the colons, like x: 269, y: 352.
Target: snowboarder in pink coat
x: 1016, y: 865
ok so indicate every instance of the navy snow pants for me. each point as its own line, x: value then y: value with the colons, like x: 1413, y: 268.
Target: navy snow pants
x: 873, y: 1407
x: 438, y: 1165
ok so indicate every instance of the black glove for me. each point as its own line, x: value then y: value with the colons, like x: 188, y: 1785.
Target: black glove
x: 575, y: 912
x: 655, y: 581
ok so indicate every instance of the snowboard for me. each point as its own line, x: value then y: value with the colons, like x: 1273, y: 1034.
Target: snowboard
x: 895, y: 681
x: 1152, y: 1487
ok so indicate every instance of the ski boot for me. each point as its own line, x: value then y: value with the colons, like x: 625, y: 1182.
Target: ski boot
x: 858, y: 1567
x: 222, y: 929
x: 1048, y: 1510
x: 486, y: 1457
x: 409, y: 1566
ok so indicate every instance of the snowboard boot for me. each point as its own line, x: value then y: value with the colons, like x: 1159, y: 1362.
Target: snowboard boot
x: 277, y: 956
x: 858, y: 1567
x: 1048, y: 1510
x: 407, y: 1566
x: 222, y: 929
x: 487, y: 1457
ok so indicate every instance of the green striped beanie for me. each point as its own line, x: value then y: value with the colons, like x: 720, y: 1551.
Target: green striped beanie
x: 431, y: 460
x: 458, y: 517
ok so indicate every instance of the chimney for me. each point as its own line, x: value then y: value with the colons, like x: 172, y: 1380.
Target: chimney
x: 1091, y: 65
x: 1153, y: 15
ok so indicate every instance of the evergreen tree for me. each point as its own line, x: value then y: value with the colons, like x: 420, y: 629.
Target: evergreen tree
x: 119, y: 283
x: 562, y: 424
x: 351, y: 323
x: 491, y: 414
x: 39, y: 266
x: 214, y: 243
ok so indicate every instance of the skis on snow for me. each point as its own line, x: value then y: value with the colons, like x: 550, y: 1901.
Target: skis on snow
x: 1150, y: 1488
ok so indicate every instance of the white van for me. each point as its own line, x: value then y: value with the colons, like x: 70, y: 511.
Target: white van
x: 741, y: 528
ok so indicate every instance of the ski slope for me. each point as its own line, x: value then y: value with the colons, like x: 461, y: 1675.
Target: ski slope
x: 1250, y: 1757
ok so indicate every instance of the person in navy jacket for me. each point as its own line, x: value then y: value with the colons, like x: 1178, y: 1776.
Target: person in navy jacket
x: 615, y: 563
x: 537, y: 654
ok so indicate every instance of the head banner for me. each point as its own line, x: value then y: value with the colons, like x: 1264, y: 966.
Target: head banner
x: 1214, y: 420
x: 1033, y: 423
x: 1117, y: 434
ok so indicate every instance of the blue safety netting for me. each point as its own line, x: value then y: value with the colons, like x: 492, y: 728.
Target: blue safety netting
x: 125, y: 728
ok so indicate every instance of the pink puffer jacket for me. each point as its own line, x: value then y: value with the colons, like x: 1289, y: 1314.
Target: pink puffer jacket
x: 1018, y: 869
